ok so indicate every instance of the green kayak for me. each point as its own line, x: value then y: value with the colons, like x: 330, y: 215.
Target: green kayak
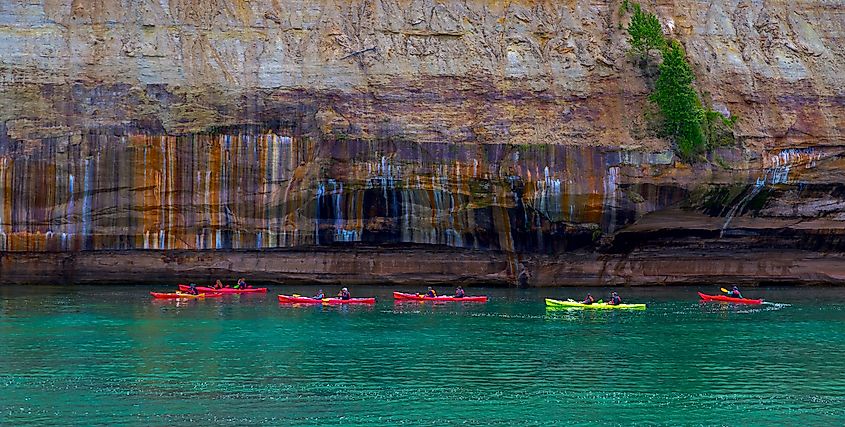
x: 596, y: 305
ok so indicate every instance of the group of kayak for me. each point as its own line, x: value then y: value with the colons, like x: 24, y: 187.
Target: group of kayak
x: 193, y: 291
x: 615, y: 302
x: 345, y: 297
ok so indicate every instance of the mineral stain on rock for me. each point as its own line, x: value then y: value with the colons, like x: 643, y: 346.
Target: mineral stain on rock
x: 253, y: 189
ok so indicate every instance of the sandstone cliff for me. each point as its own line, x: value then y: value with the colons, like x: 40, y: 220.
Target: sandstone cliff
x: 522, y: 72
x: 506, y: 128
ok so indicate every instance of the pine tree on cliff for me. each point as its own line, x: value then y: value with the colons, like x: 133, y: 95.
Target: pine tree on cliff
x: 646, y: 32
x: 678, y: 102
x: 683, y: 119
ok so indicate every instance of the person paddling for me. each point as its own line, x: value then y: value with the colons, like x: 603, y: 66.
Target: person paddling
x: 614, y: 299
x: 734, y: 293
x: 431, y: 293
x: 589, y: 300
x: 193, y: 289
x: 241, y: 284
x: 344, y: 294
x: 320, y: 295
x: 218, y: 284
x: 459, y: 292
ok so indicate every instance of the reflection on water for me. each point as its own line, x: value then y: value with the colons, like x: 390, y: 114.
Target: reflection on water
x: 262, y: 189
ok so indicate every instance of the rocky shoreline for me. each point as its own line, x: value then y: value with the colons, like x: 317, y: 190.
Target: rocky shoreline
x: 425, y: 266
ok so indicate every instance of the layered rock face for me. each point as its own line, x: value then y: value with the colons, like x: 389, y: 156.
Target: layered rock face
x: 204, y: 137
x: 475, y: 71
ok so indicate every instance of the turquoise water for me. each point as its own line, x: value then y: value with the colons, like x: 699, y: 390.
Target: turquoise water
x: 109, y: 355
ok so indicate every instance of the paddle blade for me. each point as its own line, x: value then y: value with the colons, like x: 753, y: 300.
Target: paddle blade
x: 723, y: 290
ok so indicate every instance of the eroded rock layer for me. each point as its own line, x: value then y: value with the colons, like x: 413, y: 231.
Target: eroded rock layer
x: 455, y: 71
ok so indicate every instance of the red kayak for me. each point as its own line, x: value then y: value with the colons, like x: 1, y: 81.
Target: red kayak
x: 226, y: 290
x: 290, y: 299
x: 722, y: 298
x: 417, y: 297
x: 180, y: 295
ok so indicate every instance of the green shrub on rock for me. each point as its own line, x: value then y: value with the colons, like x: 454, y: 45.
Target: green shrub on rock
x: 718, y: 129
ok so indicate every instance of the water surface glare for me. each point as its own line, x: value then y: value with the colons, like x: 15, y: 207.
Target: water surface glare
x: 111, y: 355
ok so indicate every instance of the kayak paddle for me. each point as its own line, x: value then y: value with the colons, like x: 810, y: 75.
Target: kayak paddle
x: 723, y: 290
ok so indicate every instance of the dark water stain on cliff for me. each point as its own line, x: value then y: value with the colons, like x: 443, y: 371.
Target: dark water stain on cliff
x: 249, y: 188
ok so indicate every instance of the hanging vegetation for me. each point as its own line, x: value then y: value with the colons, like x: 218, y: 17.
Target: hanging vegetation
x: 691, y: 128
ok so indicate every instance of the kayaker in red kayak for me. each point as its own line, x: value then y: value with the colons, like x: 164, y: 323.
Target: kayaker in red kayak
x: 344, y: 294
x: 589, y: 300
x: 734, y: 293
x: 431, y: 293
x: 242, y: 284
x: 218, y: 284
x: 459, y: 292
x: 614, y: 299
x: 193, y: 289
x: 320, y: 295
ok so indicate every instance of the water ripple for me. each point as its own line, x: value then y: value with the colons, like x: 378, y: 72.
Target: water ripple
x: 108, y: 357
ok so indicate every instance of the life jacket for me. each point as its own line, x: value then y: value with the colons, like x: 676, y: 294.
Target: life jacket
x: 459, y: 293
x: 616, y: 300
x: 431, y: 294
x: 345, y: 295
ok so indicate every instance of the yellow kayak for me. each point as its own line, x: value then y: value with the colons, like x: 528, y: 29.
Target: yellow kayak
x: 594, y: 306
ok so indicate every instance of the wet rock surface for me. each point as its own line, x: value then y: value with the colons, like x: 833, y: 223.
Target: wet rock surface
x: 250, y: 201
